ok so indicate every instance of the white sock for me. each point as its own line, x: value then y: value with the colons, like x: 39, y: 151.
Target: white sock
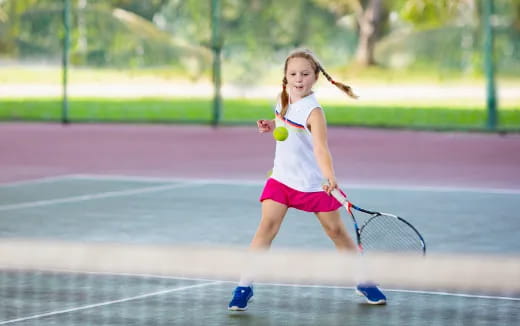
x: 244, y: 281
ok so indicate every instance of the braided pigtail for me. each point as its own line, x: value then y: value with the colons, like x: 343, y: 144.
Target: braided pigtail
x: 345, y: 88
x: 284, y: 98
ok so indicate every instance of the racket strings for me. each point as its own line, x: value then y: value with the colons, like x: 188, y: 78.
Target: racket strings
x: 387, y: 233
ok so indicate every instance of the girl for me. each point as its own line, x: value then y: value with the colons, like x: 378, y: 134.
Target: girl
x: 301, y: 165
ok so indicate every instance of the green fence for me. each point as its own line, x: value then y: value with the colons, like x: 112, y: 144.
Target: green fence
x: 159, y: 61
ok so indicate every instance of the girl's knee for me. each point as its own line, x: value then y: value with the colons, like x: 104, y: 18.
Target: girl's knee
x: 335, y: 232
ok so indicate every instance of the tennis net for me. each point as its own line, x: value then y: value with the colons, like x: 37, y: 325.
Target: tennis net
x: 64, y: 283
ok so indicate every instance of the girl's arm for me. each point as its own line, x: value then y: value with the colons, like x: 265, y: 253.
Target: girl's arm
x: 318, y: 126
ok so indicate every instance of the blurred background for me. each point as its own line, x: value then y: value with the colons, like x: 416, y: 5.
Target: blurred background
x: 421, y: 64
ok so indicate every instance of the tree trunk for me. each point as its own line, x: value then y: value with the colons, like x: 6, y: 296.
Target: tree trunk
x: 82, y: 32
x: 369, y: 22
x: 303, y: 29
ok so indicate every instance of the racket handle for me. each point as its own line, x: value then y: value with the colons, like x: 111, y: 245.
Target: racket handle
x: 339, y: 196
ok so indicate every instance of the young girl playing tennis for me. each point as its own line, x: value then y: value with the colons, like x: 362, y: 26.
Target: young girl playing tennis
x: 302, y: 164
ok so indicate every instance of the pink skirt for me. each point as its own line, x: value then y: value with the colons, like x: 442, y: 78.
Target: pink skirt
x: 314, y: 202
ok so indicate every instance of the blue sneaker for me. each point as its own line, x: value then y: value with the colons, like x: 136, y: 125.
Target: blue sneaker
x: 371, y: 293
x: 241, y: 297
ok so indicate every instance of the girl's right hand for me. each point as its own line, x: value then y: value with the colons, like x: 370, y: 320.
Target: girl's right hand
x: 265, y: 125
x: 330, y: 185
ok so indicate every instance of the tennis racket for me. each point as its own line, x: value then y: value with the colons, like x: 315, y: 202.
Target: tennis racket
x: 383, y: 232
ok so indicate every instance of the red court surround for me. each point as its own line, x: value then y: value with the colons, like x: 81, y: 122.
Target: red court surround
x: 361, y: 156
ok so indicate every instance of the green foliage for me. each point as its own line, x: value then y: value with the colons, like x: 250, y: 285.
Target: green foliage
x: 258, y: 34
x: 443, y: 35
x: 430, y: 13
x: 101, y: 36
x: 451, y: 41
x: 146, y: 9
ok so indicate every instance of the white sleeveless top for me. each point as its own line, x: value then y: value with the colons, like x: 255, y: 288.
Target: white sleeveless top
x: 294, y: 163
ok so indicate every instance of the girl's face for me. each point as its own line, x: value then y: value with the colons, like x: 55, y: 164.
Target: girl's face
x: 300, y: 78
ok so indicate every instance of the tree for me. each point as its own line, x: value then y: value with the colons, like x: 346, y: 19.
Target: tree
x: 256, y: 33
x: 369, y: 16
x: 369, y: 20
x: 372, y: 15
x: 9, y: 11
x: 146, y: 9
x: 430, y: 13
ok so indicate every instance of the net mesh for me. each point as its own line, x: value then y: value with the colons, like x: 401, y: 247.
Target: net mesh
x: 389, y: 233
x: 43, y: 283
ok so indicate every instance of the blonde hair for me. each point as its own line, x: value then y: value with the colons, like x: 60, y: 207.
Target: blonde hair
x: 307, y: 54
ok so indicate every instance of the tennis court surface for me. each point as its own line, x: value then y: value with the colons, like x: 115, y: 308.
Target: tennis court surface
x: 134, y: 225
x: 159, y: 214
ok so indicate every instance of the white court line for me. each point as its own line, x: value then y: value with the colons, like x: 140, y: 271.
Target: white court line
x: 346, y: 185
x: 106, y: 303
x: 113, y: 177
x: 35, y: 181
x: 463, y: 295
x: 109, y: 194
x: 451, y: 294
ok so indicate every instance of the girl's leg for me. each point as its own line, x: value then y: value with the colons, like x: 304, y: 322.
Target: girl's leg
x: 335, y: 229
x: 272, y: 217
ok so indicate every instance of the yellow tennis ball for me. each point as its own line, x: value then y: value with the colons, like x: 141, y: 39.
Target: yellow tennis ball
x: 280, y: 133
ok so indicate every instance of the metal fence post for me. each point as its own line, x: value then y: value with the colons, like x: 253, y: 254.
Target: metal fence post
x: 216, y: 46
x: 491, y: 99
x: 65, y: 61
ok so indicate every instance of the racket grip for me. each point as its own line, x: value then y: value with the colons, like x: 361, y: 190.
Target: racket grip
x: 339, y: 196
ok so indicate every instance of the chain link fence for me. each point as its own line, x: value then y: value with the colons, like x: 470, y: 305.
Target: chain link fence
x: 131, y: 61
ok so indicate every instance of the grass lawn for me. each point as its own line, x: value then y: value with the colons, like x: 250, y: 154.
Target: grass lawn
x: 444, y: 114
x: 246, y: 111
